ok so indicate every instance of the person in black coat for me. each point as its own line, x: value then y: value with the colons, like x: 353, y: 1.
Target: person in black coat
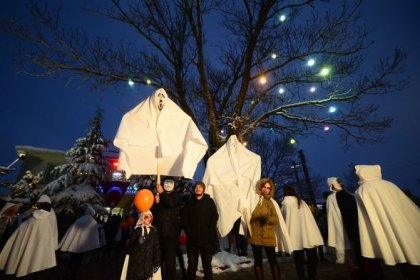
x: 199, y: 218
x: 167, y: 223
x: 143, y: 248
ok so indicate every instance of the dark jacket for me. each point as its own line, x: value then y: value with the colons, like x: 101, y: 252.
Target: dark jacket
x: 348, y: 209
x: 199, y: 218
x: 143, y: 257
x: 167, y: 214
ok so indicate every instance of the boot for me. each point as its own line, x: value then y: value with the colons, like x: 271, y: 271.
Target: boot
x: 275, y: 270
x: 258, y: 273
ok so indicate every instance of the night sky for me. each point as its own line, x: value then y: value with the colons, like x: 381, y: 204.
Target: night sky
x: 53, y: 112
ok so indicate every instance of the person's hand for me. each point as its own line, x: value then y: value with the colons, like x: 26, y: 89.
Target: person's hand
x: 263, y: 220
x: 159, y: 188
x: 157, y: 198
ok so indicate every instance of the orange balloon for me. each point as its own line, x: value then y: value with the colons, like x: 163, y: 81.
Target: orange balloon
x: 144, y: 200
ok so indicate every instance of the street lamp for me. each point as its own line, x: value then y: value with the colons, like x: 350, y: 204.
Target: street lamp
x: 5, y: 170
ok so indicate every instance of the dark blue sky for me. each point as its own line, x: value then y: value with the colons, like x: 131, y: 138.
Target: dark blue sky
x: 52, y: 113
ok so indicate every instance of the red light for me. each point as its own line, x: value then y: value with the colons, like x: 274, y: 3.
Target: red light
x: 114, y: 163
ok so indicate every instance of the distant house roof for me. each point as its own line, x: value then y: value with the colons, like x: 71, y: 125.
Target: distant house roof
x: 46, y: 154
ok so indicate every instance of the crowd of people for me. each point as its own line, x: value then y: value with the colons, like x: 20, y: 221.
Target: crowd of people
x: 377, y: 224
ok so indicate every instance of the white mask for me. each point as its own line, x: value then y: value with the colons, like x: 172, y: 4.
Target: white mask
x: 168, y: 185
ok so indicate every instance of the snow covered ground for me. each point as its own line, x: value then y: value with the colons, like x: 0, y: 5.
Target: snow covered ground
x: 224, y: 261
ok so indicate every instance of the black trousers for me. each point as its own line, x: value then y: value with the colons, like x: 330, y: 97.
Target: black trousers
x: 168, y: 257
x: 299, y: 258
x: 258, y: 256
x: 206, y: 253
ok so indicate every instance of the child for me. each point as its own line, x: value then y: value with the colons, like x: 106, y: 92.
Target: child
x: 143, y: 249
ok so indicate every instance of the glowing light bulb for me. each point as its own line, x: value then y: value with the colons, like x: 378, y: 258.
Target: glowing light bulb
x: 325, y: 71
x: 273, y: 56
x: 281, y: 90
x: 312, y: 89
x: 332, y: 109
x: 292, y: 141
x: 326, y: 128
x: 130, y: 83
x: 311, y: 62
x: 282, y: 18
x: 263, y: 80
x: 148, y: 81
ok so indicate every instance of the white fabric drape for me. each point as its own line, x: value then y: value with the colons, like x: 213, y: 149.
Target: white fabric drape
x: 337, y: 237
x: 31, y: 247
x: 148, y: 136
x: 231, y: 173
x: 82, y: 236
x: 389, y: 222
x: 300, y: 222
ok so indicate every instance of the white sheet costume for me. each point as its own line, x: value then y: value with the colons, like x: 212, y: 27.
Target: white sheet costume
x: 83, y: 234
x: 156, y: 132
x: 300, y: 222
x: 31, y: 247
x: 389, y: 222
x: 231, y: 173
x: 337, y: 237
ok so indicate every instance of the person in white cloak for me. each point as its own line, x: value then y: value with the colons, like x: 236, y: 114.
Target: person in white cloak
x: 81, y: 237
x: 31, y: 248
x: 337, y: 237
x: 231, y: 173
x: 343, y: 217
x: 265, y: 226
x: 157, y: 134
x: 8, y: 222
x: 389, y: 222
x: 303, y: 231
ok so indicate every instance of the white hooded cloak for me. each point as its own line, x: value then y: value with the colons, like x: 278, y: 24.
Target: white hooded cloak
x: 389, y: 222
x: 231, y: 173
x: 300, y: 222
x: 83, y: 234
x: 31, y: 247
x: 156, y: 132
x: 337, y: 237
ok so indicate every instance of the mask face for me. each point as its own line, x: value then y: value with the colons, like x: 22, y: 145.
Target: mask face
x: 168, y: 185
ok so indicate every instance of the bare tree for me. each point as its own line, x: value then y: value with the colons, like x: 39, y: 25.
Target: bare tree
x: 256, y: 73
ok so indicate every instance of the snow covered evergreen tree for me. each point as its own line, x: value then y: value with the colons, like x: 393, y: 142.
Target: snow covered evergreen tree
x: 26, y: 190
x: 84, y: 170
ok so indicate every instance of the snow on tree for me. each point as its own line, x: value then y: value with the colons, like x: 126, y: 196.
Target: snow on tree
x: 26, y: 190
x: 84, y: 169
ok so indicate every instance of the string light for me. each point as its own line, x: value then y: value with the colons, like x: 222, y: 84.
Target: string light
x: 282, y: 18
x: 312, y: 89
x: 311, y: 62
x: 273, y: 56
x: 130, y: 83
x: 326, y: 128
x: 325, y: 71
x: 281, y: 90
x: 292, y: 141
x: 332, y: 109
x: 263, y: 80
x: 148, y: 81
